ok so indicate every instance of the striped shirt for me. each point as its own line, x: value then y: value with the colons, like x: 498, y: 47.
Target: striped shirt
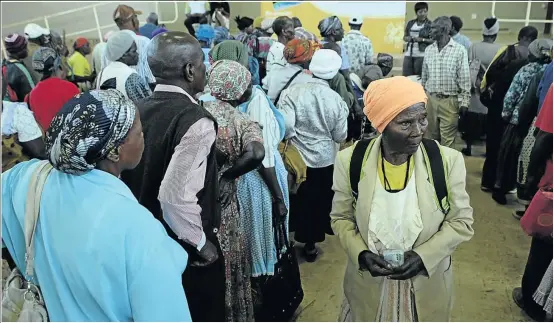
x: 447, y: 72
x: 185, y: 177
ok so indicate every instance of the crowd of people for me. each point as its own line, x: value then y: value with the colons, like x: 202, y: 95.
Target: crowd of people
x: 178, y: 157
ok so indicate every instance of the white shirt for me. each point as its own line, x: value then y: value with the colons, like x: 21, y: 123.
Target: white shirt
x: 414, y: 32
x: 275, y: 58
x: 315, y: 120
x: 197, y: 7
x: 97, y: 55
x: 275, y: 82
x: 258, y: 110
x: 18, y: 119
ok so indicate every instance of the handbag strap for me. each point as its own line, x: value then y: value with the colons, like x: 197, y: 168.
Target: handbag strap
x: 287, y: 85
x: 32, y: 206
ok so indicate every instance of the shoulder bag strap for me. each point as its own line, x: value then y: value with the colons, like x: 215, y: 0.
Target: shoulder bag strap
x: 356, y: 162
x: 32, y: 207
x: 438, y: 175
x: 287, y: 85
x: 26, y: 72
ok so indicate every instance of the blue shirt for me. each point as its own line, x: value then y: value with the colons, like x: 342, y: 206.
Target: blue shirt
x: 544, y: 85
x: 100, y: 255
x: 206, y: 58
x: 344, y: 55
x: 147, y: 30
x: 462, y: 40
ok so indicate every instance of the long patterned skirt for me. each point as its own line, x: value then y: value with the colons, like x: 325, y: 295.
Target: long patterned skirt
x: 238, y: 294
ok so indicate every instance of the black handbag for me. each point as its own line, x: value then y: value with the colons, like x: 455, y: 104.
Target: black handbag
x: 280, y: 294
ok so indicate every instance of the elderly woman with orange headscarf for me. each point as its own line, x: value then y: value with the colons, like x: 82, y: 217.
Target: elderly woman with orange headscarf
x: 298, y: 53
x: 400, y: 210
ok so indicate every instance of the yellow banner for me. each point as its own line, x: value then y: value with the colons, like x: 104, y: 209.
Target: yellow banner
x: 383, y: 21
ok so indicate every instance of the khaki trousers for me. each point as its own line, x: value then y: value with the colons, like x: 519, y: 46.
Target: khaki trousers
x: 442, y: 115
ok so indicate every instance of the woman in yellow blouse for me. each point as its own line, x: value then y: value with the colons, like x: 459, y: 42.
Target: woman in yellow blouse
x: 399, y: 233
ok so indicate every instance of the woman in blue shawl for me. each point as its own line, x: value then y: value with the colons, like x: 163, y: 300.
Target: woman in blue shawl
x: 263, y: 194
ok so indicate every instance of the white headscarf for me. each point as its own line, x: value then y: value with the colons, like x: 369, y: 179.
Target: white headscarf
x: 118, y: 44
x: 267, y: 25
x: 325, y: 64
x: 493, y: 30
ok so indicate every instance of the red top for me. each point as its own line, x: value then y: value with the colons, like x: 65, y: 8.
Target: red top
x: 544, y: 120
x: 48, y: 97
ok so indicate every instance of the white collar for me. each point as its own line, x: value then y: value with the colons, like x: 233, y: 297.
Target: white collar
x: 174, y: 89
x: 357, y: 32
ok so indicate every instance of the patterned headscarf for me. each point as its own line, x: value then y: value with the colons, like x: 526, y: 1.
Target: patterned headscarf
x: 46, y: 61
x: 299, y: 51
x: 329, y: 24
x: 15, y: 44
x: 232, y: 50
x: 221, y: 34
x: 541, y: 48
x: 88, y: 127
x: 228, y: 80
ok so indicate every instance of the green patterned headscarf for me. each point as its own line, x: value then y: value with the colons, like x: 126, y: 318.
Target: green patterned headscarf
x: 232, y: 50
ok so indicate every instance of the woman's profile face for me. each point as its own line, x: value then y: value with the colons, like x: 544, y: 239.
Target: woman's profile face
x: 405, y: 132
x: 130, y: 58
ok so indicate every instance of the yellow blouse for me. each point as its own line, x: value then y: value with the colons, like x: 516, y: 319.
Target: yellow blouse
x: 395, y: 174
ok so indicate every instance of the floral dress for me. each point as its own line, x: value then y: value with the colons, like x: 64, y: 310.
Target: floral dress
x: 235, y: 132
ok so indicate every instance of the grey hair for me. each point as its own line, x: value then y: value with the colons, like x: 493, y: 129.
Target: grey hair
x: 152, y: 18
x: 445, y: 23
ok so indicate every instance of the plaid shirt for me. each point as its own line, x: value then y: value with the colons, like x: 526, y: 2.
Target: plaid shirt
x: 447, y: 72
x: 301, y: 33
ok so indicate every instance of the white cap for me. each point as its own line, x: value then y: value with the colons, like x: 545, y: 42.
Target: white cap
x: 33, y: 31
x: 356, y: 21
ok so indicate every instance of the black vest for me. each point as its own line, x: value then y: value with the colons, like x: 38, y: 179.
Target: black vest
x: 166, y: 118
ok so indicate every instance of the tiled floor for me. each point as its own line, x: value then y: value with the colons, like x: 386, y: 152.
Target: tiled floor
x: 486, y: 269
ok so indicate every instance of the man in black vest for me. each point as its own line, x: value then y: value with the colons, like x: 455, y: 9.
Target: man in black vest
x: 177, y: 177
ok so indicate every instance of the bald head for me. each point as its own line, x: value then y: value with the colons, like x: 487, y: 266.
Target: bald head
x: 170, y: 52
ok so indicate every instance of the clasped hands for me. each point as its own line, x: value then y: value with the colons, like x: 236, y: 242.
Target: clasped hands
x: 378, y: 266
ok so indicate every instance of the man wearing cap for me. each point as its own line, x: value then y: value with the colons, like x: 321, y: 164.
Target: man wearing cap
x: 81, y: 71
x: 316, y: 123
x: 42, y: 37
x: 126, y: 18
x: 359, y: 47
x: 150, y: 26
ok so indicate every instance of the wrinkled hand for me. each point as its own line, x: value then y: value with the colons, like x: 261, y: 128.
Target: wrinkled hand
x: 412, y: 266
x: 227, y: 188
x: 375, y: 264
x: 208, y: 253
x: 279, y: 211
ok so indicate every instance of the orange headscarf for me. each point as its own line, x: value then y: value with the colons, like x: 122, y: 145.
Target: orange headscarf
x: 80, y: 42
x: 384, y: 99
x: 299, y: 51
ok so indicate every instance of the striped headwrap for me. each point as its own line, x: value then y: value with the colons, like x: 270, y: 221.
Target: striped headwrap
x: 89, y: 127
x: 15, y: 44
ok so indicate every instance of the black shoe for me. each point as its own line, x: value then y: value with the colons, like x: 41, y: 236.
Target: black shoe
x: 466, y: 151
x: 518, y: 214
x: 499, y: 198
x: 310, y: 252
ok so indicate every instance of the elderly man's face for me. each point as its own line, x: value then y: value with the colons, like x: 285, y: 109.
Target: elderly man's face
x: 438, y: 29
x: 405, y: 131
